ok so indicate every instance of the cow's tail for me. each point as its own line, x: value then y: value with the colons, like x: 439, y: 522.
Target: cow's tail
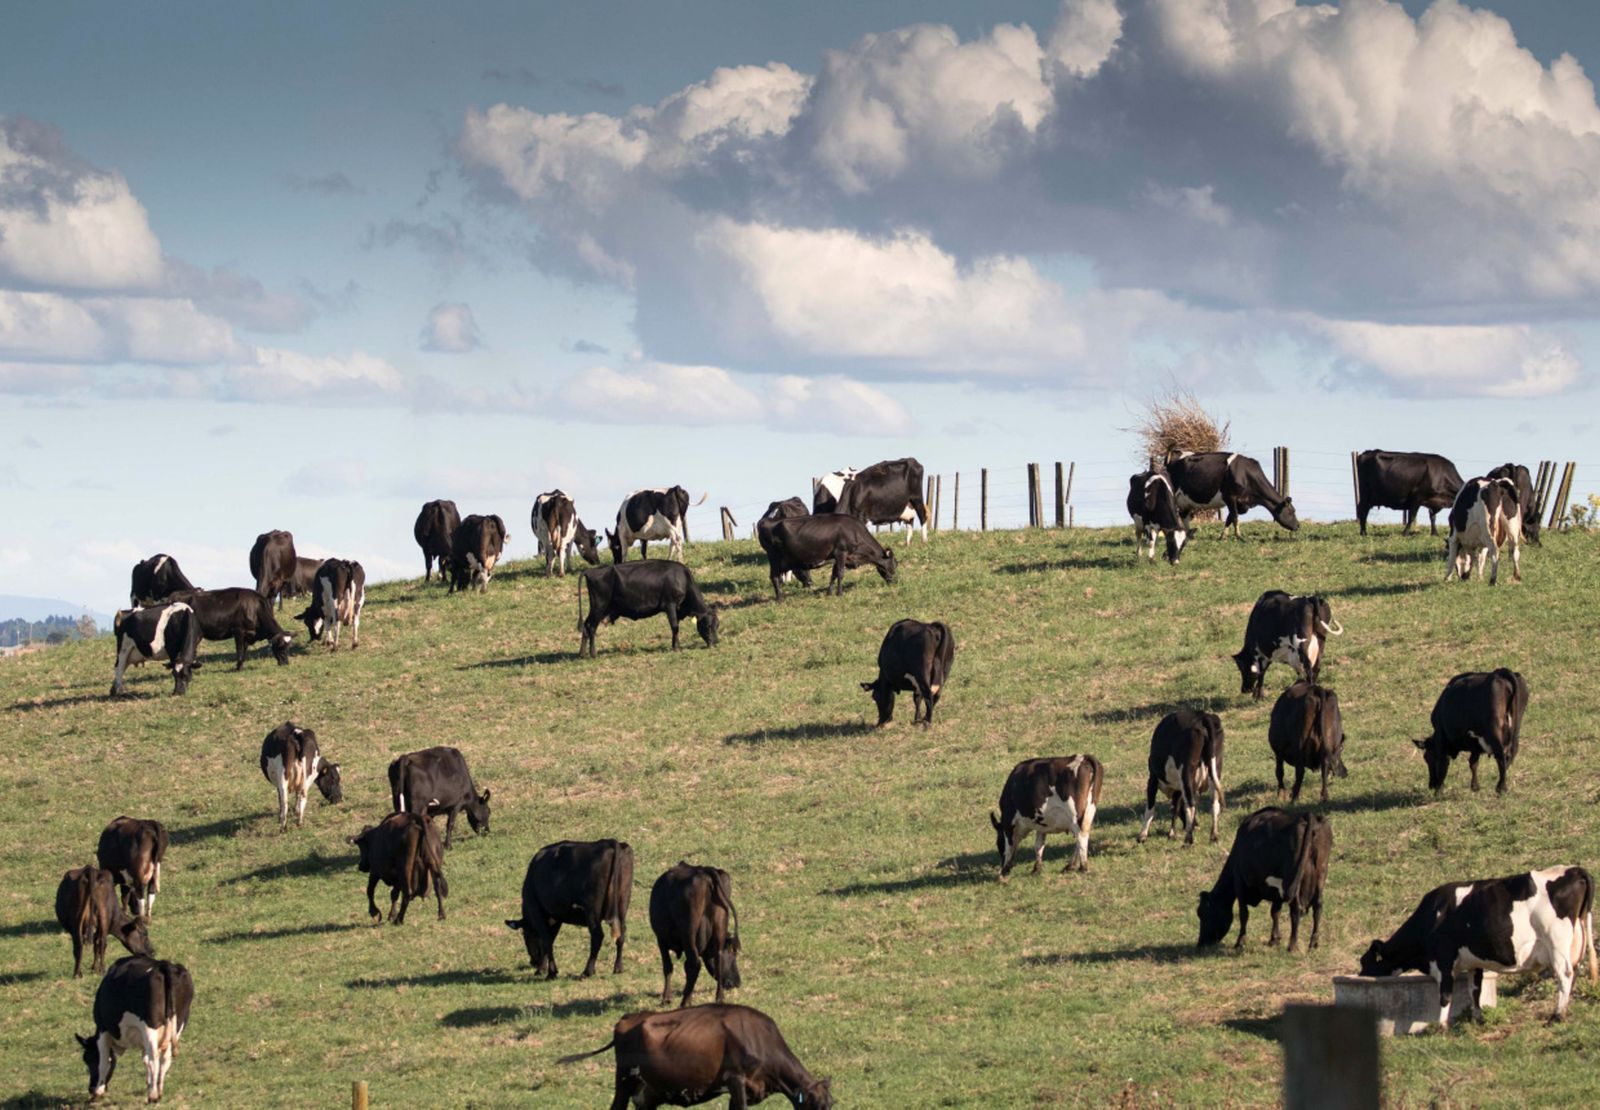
x: 416, y: 838
x: 581, y: 579
x: 1586, y: 922
x: 85, y: 904
x: 576, y: 1056
x: 703, y: 497
x: 722, y: 892
x: 1310, y: 860
x: 1333, y: 629
x: 433, y: 858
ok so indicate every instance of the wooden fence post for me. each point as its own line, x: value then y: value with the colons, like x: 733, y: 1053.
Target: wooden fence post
x: 358, y: 1095
x: 1061, y: 497
x: 983, y: 500
x: 1558, y: 511
x: 955, y: 505
x: 1283, y: 490
x: 1033, y: 495
x: 938, y: 496
x: 1330, y: 1058
x: 1038, y: 495
x: 728, y: 523
x: 1355, y: 479
x: 1541, y: 488
x: 1072, y: 470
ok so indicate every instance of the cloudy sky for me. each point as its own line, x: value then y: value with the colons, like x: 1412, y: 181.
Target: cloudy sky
x: 306, y: 266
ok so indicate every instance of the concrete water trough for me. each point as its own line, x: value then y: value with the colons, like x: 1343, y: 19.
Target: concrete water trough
x: 1410, y: 1003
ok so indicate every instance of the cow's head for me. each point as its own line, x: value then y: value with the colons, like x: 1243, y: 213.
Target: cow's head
x: 585, y: 541
x: 100, y: 1069
x: 708, y: 623
x: 885, y: 563
x: 363, y: 843
x: 1284, y: 515
x: 1249, y: 670
x: 478, y: 813
x: 1375, y: 961
x: 539, y: 956
x: 724, y: 964
x: 1437, y: 759
x: 1176, y: 538
x: 614, y: 542
x: 883, y: 697
x: 280, y: 648
x: 816, y: 1092
x: 329, y: 783
x: 1216, y: 918
x: 1002, y: 843
x: 134, y: 932
x: 313, y: 624
x: 183, y: 674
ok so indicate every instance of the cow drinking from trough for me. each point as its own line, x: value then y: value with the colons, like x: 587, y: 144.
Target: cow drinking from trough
x: 914, y: 657
x: 336, y: 599
x: 1284, y: 629
x: 89, y: 910
x: 692, y: 915
x: 801, y: 544
x: 1226, y: 480
x: 1484, y: 519
x: 1405, y: 480
x: 1185, y: 762
x: 557, y: 530
x: 291, y: 762
x: 239, y: 614
x: 1479, y: 713
x: 155, y: 580
x: 131, y: 849
x: 889, y: 492
x: 169, y: 632
x: 272, y: 563
x: 640, y: 590
x: 437, y: 780
x: 402, y: 851
x: 1046, y: 796
x: 575, y: 882
x: 1154, y: 508
x: 475, y: 548
x: 1307, y: 733
x: 1278, y: 857
x: 652, y: 514
x: 141, y: 1004
x: 435, y: 528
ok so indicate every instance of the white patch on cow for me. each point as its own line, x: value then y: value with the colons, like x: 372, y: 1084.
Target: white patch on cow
x: 1482, y: 743
x: 1180, y: 537
x: 1288, y: 651
x: 1074, y: 763
x: 1172, y: 776
x: 1313, y: 650
x: 1231, y: 458
x: 834, y: 482
x: 161, y: 561
x: 280, y: 782
x: 330, y: 609
x: 1275, y: 883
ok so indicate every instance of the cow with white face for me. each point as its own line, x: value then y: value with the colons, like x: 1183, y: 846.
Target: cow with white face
x: 1045, y: 796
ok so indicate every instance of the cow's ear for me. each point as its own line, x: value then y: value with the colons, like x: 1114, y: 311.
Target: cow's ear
x: 994, y: 820
x: 484, y: 798
x: 867, y: 686
x: 514, y: 926
x: 1422, y: 745
x: 83, y: 1042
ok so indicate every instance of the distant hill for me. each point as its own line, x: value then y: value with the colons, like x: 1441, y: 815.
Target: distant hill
x: 13, y: 607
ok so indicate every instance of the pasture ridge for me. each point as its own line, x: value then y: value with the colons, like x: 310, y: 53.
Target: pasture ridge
x: 863, y: 862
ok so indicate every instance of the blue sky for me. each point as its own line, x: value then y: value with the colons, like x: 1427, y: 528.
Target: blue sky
x: 307, y: 266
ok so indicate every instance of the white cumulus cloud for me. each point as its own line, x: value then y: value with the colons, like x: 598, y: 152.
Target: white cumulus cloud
x: 451, y: 329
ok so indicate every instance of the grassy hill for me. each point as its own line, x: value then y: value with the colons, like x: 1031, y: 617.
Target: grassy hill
x: 863, y: 862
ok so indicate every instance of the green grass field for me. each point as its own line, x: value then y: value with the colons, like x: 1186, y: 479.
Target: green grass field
x: 863, y: 862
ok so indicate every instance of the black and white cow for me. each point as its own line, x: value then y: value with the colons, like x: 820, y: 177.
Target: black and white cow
x: 635, y: 592
x: 1185, y: 762
x: 1407, y: 947
x: 1307, y: 733
x: 1284, y: 629
x: 291, y: 762
x: 1045, y: 796
x: 1154, y: 508
x: 1226, y: 480
x: 155, y: 580
x: 651, y: 514
x: 437, y: 780
x: 336, y: 598
x: 802, y: 544
x: 402, y: 851
x: 272, y: 563
x: 575, y: 882
x: 88, y: 908
x: 1484, y: 519
x: 132, y: 848
x: 1405, y: 480
x: 142, y: 1004
x: 1277, y: 857
x: 558, y: 530
x: 913, y: 657
x: 1519, y: 476
x: 475, y: 548
x: 889, y: 492
x: 435, y: 527
x: 825, y: 496
x: 169, y: 632
x: 239, y: 614
x: 1479, y: 713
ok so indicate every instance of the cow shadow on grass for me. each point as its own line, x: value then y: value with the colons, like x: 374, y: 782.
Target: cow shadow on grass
x: 30, y: 929
x: 75, y: 699
x: 314, y: 864
x: 1381, y: 589
x: 815, y: 730
x: 1148, y: 953
x: 1429, y: 554
x: 280, y: 934
x: 1077, y: 562
x: 463, y: 977
x: 1154, y: 709
x: 963, y: 870
x: 13, y: 978
x: 222, y: 827
x: 1264, y: 1027
x: 474, y: 1016
x: 536, y: 659
x: 37, y: 1100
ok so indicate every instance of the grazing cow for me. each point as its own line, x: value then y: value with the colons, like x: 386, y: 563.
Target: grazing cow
x: 132, y: 849
x: 1154, y: 508
x: 336, y: 598
x: 651, y: 514
x: 1284, y: 629
x: 1519, y: 477
x: 88, y: 909
x: 1278, y: 857
x: 787, y: 509
x: 1046, y: 796
x: 1485, y: 518
x: 1407, y: 947
x: 435, y: 781
x: 239, y: 614
x: 155, y: 580
x: 141, y: 1003
x: 914, y: 657
x: 291, y: 762
x: 1405, y: 480
x: 169, y: 632
x: 558, y: 530
x: 639, y: 591
x: 575, y: 882
x: 475, y: 548
x: 1185, y: 762
x: 272, y: 563
x: 690, y: 910
x: 434, y: 530
x: 303, y: 577
x: 887, y: 492
x: 684, y: 1057
x: 825, y: 494
x: 1226, y: 480
x: 803, y: 543
x: 1307, y: 733
x: 1479, y: 713
x: 402, y: 851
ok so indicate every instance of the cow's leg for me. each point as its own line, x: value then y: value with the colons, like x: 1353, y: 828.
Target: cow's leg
x: 1087, y: 823
x: 1038, y: 850
x: 1472, y: 764
x: 78, y: 941
x: 300, y: 806
x: 1494, y: 562
x: 438, y: 892
x: 394, y: 902
x: 355, y: 622
x: 1433, y: 522
x: 1294, y: 926
x: 1272, y: 939
x: 1299, y: 778
x: 1244, y: 923
x: 1325, y: 782
x: 619, y: 930
x: 644, y: 549
x: 836, y: 583
x: 1499, y: 754
x: 372, y: 905
x: 597, y: 936
x: 1447, y: 989
x: 666, y: 972
x: 1280, y: 777
x: 239, y: 646
x: 150, y: 1049
x: 1408, y: 518
x: 671, y: 611
x: 586, y: 635
x: 777, y: 590
x: 1516, y: 559
x: 1452, y: 547
x: 280, y: 783
x: 1562, y: 968
x: 1177, y: 805
x: 627, y: 1089
x: 449, y: 826
x: 1361, y: 516
x: 1149, y: 810
x: 1316, y: 923
x: 1216, y: 800
x: 691, y: 972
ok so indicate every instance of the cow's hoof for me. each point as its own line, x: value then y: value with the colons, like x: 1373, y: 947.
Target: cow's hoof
x: 1139, y: 840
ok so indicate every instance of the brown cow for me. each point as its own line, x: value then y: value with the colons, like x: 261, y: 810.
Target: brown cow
x: 403, y: 851
x: 88, y: 909
x: 690, y: 907
x: 132, y: 850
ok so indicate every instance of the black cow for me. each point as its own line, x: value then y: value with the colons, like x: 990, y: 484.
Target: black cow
x: 787, y: 509
x: 131, y: 849
x: 1278, y: 857
x: 435, y: 781
x: 140, y: 1004
x: 887, y: 492
x: 695, y: 1055
x: 1479, y: 713
x: 557, y: 529
x: 1185, y: 762
x: 402, y: 851
x: 169, y: 632
x: 1284, y: 629
x: 336, y: 599
x: 1484, y: 519
x: 155, y: 580
x: 302, y: 578
x: 291, y: 762
x: 1307, y: 733
x: 639, y: 591
x: 435, y: 528
x: 1405, y: 480
x: 88, y: 909
x: 1154, y: 508
x: 914, y: 657
x: 1046, y: 796
x: 475, y: 548
x: 272, y: 563
x: 575, y: 882
x: 652, y: 514
x: 1519, y: 477
x: 801, y: 544
x: 1226, y: 480
x: 239, y: 614
x: 690, y: 910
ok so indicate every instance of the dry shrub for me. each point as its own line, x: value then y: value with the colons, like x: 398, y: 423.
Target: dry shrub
x: 1175, y: 421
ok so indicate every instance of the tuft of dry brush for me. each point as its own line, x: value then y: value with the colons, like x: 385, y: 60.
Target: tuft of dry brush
x: 1176, y: 421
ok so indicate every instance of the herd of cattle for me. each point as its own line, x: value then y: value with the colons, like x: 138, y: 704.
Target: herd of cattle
x: 1539, y: 919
